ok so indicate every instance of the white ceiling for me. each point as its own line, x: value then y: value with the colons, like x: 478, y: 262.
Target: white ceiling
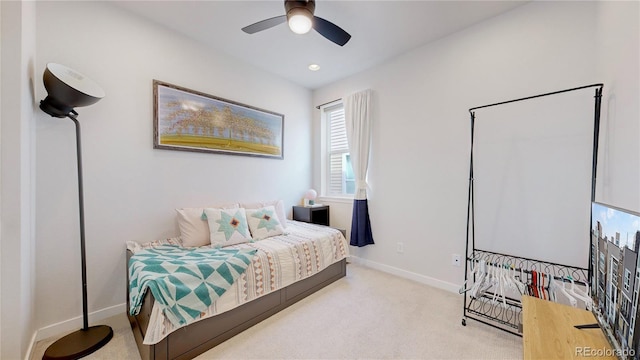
x: 380, y: 30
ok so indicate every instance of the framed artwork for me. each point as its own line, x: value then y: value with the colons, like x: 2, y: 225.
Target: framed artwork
x: 189, y: 120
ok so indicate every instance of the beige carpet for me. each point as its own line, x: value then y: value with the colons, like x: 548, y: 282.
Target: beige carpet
x: 367, y: 315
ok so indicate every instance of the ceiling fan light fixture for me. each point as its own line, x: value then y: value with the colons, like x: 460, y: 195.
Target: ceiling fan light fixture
x: 299, y: 15
x: 299, y: 20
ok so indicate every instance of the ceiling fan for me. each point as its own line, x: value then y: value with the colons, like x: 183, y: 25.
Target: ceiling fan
x: 299, y: 15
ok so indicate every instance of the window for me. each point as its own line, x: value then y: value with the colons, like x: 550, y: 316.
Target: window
x: 624, y: 308
x: 636, y: 286
x: 614, y: 271
x: 627, y: 279
x: 337, y: 174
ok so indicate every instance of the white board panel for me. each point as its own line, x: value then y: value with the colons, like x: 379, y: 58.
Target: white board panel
x: 532, y: 177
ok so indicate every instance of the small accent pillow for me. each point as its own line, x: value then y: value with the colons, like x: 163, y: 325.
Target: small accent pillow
x: 194, y: 231
x: 278, y: 204
x: 264, y: 222
x: 227, y: 226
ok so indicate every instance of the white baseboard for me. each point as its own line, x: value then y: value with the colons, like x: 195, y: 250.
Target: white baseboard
x: 66, y: 326
x: 406, y: 274
x: 32, y: 345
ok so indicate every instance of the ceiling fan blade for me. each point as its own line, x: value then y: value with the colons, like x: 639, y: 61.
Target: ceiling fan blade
x: 265, y: 24
x: 331, y: 31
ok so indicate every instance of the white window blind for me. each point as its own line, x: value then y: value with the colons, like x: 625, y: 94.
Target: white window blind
x: 340, y: 180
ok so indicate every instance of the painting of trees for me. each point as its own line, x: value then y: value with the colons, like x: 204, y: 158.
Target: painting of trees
x: 189, y: 120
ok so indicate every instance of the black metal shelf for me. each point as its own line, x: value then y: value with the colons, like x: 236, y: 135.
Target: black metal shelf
x: 486, y: 308
x: 560, y: 272
x: 490, y: 309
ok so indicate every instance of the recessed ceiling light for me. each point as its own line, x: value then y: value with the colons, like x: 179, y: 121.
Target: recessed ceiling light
x: 314, y: 67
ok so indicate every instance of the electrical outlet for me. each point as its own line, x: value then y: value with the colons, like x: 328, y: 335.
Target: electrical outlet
x: 400, y: 248
x: 456, y: 260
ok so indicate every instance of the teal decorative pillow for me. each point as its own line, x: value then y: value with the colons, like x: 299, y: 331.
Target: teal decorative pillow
x: 264, y: 222
x: 278, y: 204
x: 227, y: 226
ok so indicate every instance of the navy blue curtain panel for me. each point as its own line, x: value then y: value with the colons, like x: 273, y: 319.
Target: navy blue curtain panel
x: 360, y: 225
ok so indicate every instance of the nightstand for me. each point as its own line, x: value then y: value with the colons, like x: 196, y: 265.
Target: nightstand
x: 312, y: 214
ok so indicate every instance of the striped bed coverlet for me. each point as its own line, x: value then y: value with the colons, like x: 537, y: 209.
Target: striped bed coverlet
x: 304, y: 250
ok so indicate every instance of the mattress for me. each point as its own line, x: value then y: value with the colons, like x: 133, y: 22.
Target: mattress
x: 302, y: 251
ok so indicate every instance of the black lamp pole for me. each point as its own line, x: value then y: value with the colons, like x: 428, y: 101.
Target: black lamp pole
x: 63, y: 97
x: 85, y: 316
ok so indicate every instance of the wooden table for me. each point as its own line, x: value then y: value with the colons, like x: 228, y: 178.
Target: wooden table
x: 549, y: 332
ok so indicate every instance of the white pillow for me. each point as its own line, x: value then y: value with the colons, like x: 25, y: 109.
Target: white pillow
x: 194, y: 230
x: 264, y: 222
x: 227, y: 226
x: 278, y: 204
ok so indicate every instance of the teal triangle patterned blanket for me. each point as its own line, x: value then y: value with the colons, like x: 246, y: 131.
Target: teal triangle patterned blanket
x: 184, y: 282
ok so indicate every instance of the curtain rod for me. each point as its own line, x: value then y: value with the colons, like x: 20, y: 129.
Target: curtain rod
x: 327, y: 103
x: 537, y: 96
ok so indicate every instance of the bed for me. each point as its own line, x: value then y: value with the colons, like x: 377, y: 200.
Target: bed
x: 285, y: 269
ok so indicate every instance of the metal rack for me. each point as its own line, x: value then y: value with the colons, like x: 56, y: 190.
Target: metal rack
x: 507, y: 315
x: 509, y: 318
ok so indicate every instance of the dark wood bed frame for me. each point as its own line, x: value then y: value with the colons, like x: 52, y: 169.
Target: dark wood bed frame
x: 194, y: 339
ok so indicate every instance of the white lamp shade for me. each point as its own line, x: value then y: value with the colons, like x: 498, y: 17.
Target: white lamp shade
x: 300, y: 20
x: 310, y: 194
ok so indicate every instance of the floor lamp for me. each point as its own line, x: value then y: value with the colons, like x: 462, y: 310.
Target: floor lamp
x: 66, y: 90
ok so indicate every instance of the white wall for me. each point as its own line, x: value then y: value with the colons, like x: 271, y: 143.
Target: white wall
x: 16, y: 214
x: 131, y: 190
x: 618, y: 25
x: 420, y: 156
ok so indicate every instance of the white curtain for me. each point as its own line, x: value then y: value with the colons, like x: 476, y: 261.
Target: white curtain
x: 357, y: 115
x: 357, y: 112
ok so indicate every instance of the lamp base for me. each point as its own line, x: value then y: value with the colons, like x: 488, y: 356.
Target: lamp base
x: 79, y: 343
